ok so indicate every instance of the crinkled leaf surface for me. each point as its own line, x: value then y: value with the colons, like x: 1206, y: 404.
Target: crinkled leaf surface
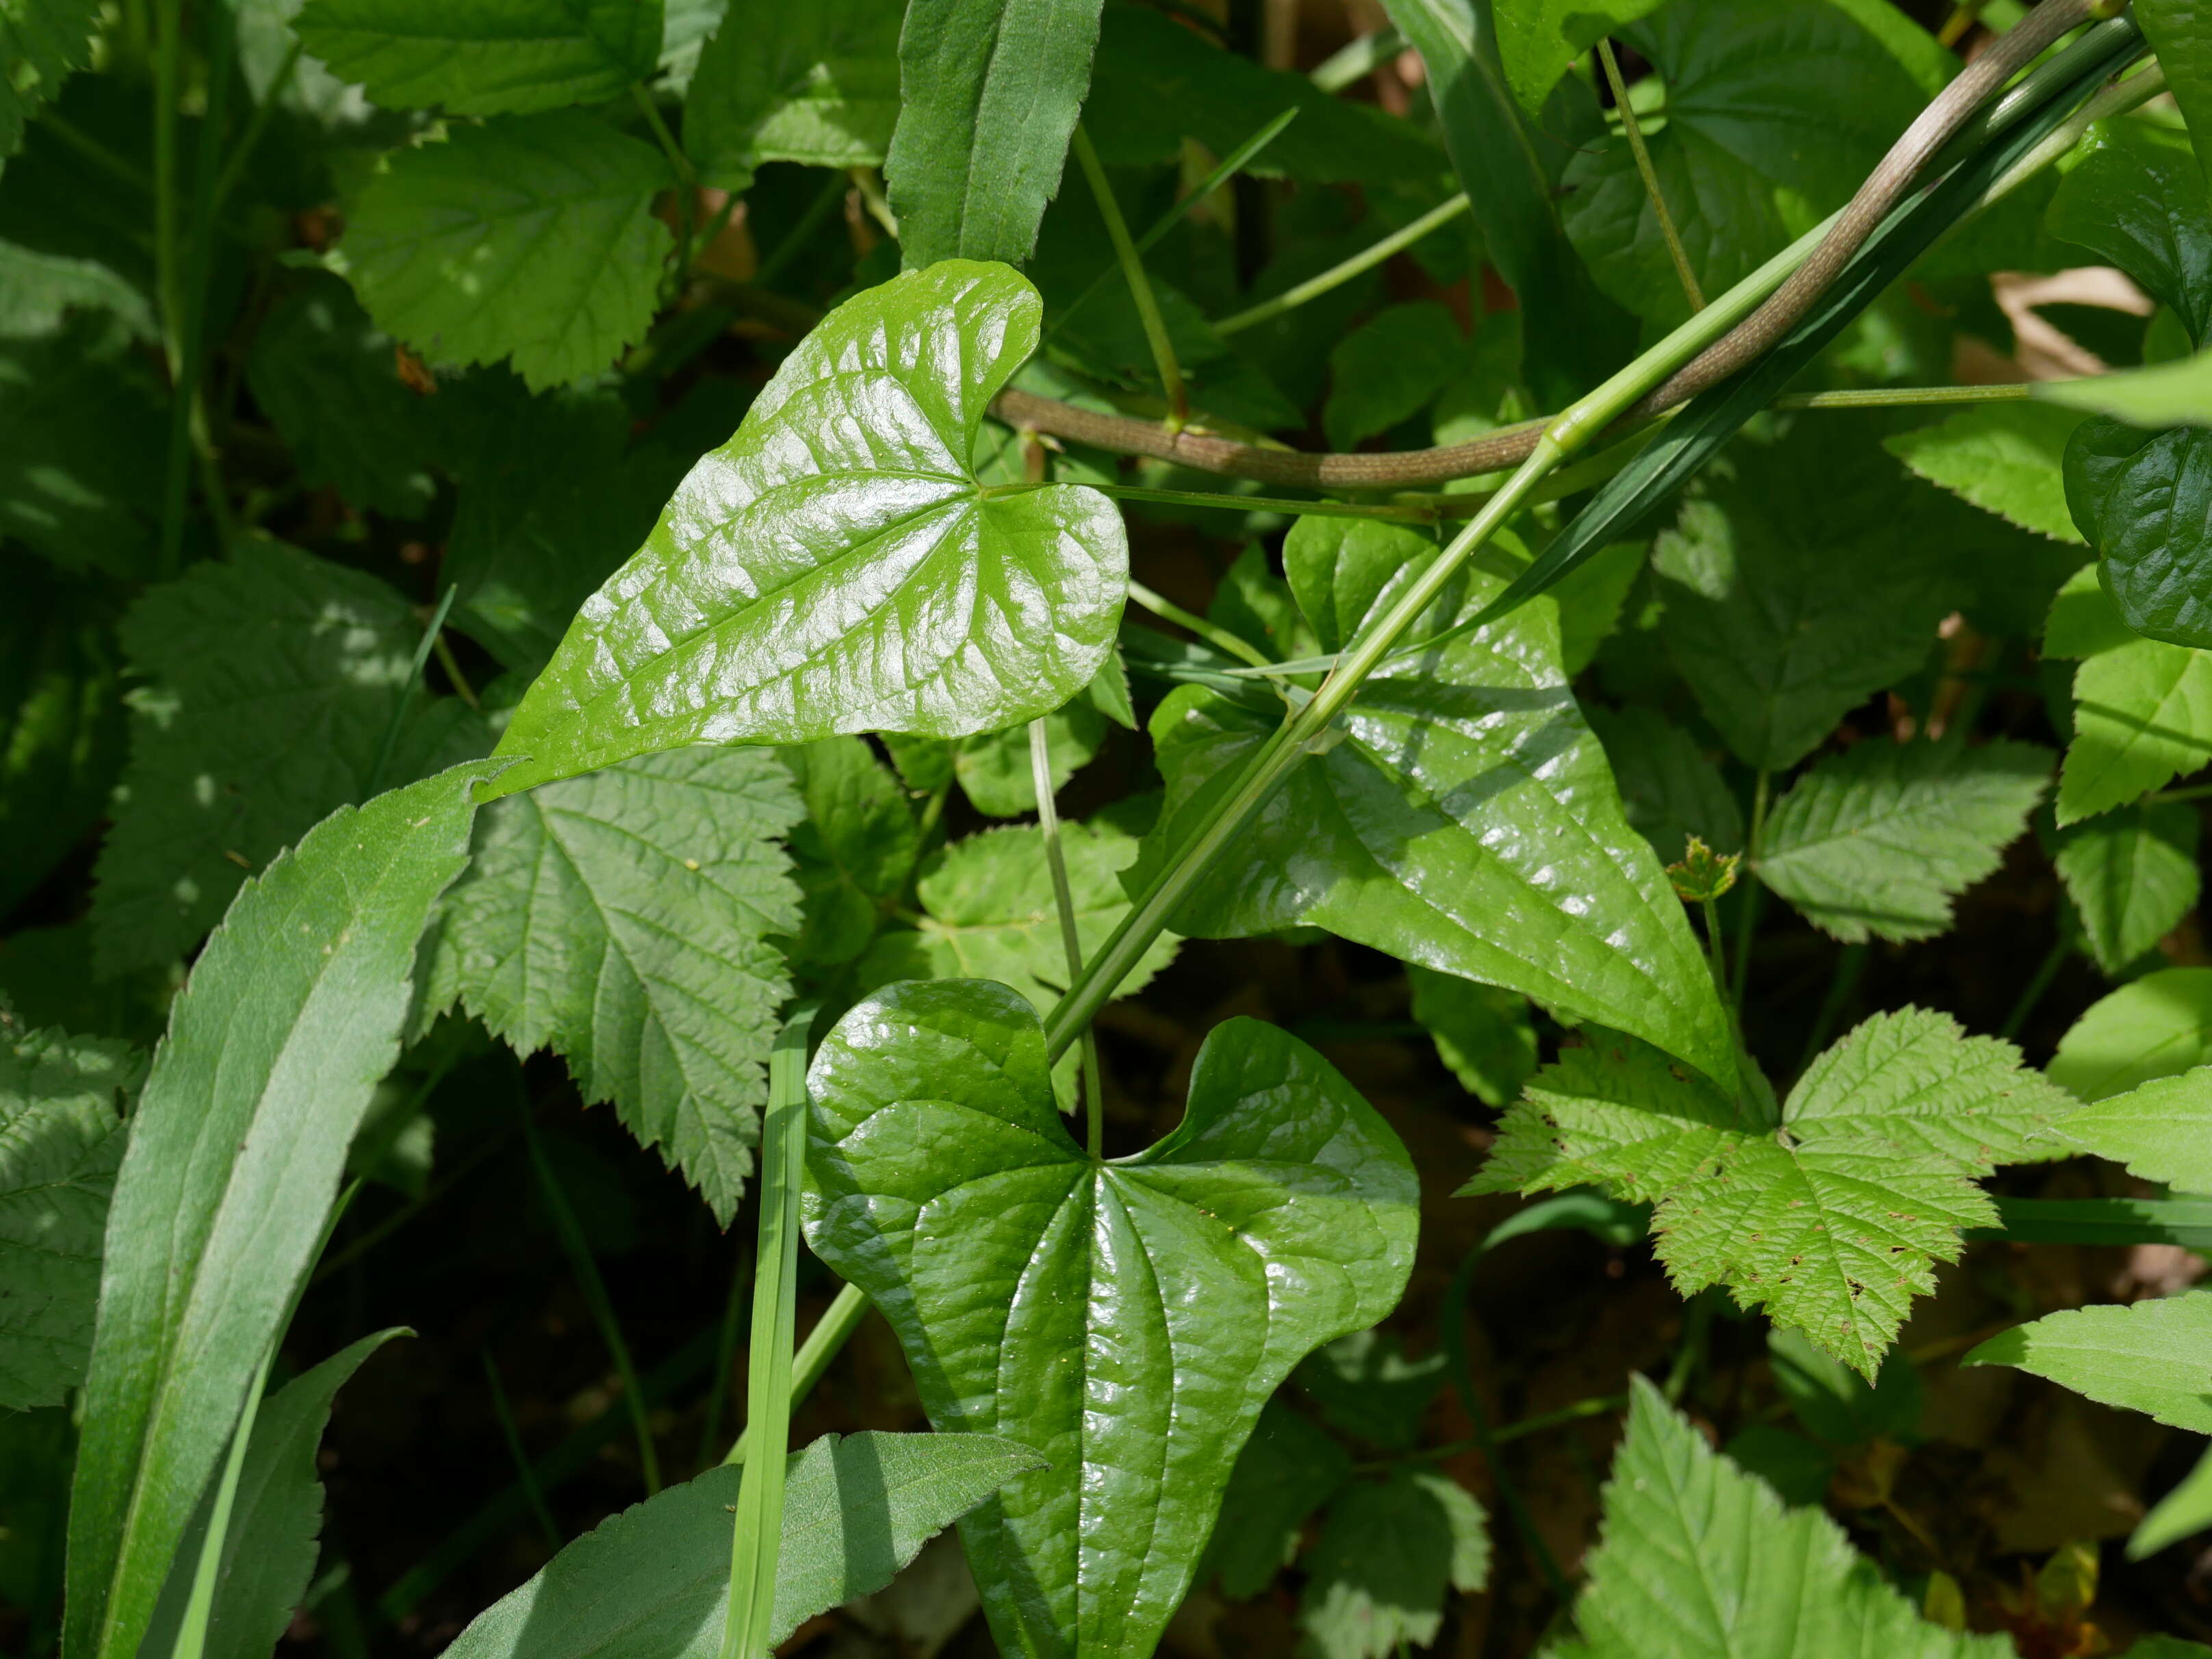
x: 1390, y: 1553
x: 1538, y: 40
x: 486, y: 57
x: 1670, y: 789
x: 292, y: 1015
x: 2153, y: 1356
x: 653, y: 1581
x: 836, y: 567
x: 818, y: 83
x: 2160, y: 1026
x: 854, y: 850
x: 2006, y: 458
x: 2143, y: 708
x: 1834, y: 1218
x: 1287, y: 1470
x: 41, y: 41
x: 1880, y: 839
x: 1126, y: 1319
x: 1699, y: 1560
x: 1773, y: 115
x: 271, y: 679
x: 60, y: 1140
x: 531, y: 237
x: 2161, y: 1129
x: 990, y: 91
x: 624, y: 921
x: 1467, y: 821
x: 2132, y: 875
x: 1792, y: 594
x: 270, y: 1548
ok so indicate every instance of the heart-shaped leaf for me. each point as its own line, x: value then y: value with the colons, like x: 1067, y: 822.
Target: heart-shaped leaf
x: 837, y: 567
x: 1128, y: 1319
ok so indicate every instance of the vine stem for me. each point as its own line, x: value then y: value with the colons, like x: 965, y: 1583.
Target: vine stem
x: 1391, y: 514
x: 1212, y: 633
x: 687, y: 177
x: 1342, y: 272
x: 1071, y: 940
x: 1649, y: 174
x: 1747, y: 917
x: 823, y: 1344
x: 1133, y: 272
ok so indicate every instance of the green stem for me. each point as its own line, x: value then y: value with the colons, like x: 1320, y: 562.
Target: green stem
x: 1714, y: 947
x: 687, y: 178
x: 242, y: 151
x: 872, y: 197
x: 756, y: 1541
x: 1690, y: 1357
x: 1581, y: 1412
x: 1850, y: 964
x: 513, y: 1436
x: 795, y: 239
x: 1649, y: 174
x: 168, y: 270
x: 596, y: 1298
x: 1753, y: 890
x: 711, y: 233
x: 823, y: 1344
x: 406, y: 700
x: 1071, y: 940
x: 1908, y: 396
x: 2194, y: 792
x: 1410, y: 514
x: 1337, y: 274
x: 1358, y: 60
x: 1133, y: 272
x: 726, y: 1354
x: 2045, y: 971
x: 1212, y: 632
x: 184, y: 288
x: 192, y: 1630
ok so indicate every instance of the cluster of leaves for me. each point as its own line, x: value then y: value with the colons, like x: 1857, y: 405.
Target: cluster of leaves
x: 525, y: 340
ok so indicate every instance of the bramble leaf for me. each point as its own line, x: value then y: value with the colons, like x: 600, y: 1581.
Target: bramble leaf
x: 60, y: 1140
x: 272, y: 680
x: 1466, y: 820
x: 2006, y: 458
x: 41, y: 41
x: 623, y: 919
x: 1126, y: 1319
x: 531, y: 237
x: 1699, y: 1560
x: 486, y: 57
x: 1880, y: 839
x: 2153, y: 1356
x: 2161, y: 1129
x: 1834, y: 1219
x: 2158, y: 1026
x: 2143, y: 708
x: 292, y: 1015
x: 653, y: 1581
x: 989, y: 93
x: 854, y: 850
x: 835, y: 567
x: 2132, y: 876
x: 816, y: 83
x: 1388, y: 1554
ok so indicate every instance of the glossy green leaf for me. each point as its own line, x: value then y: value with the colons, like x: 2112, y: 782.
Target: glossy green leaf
x: 270, y: 680
x: 1539, y: 40
x: 531, y: 237
x: 61, y: 721
x: 486, y: 57
x: 1834, y: 1218
x: 292, y: 1015
x: 269, y: 1549
x: 41, y: 41
x: 1483, y: 1034
x: 2132, y: 876
x: 2006, y: 458
x: 2160, y: 1025
x: 1390, y: 1553
x: 1126, y: 1319
x: 854, y: 850
x: 2153, y: 1356
x: 2180, y: 32
x: 1157, y: 81
x: 1387, y: 370
x: 2143, y: 708
x: 1575, y: 335
x: 835, y: 566
x: 60, y: 1140
x: 818, y: 83
x: 1698, y: 1560
x: 1784, y: 622
x: 1466, y: 820
x: 1773, y: 116
x: 2169, y: 394
x: 1288, y: 1469
x: 1670, y: 790
x: 989, y: 93
x: 2143, y: 499
x: 653, y: 1581
x: 2135, y: 198
x: 2161, y: 1129
x: 1880, y: 839
x: 325, y: 376
x: 624, y: 921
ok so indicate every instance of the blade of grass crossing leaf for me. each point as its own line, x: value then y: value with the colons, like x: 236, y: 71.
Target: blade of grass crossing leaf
x: 1094, y: 1098
x: 414, y: 680
x: 745, y: 1634
x: 823, y: 1344
x: 1132, y: 271
x: 595, y: 1298
x: 292, y: 1015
